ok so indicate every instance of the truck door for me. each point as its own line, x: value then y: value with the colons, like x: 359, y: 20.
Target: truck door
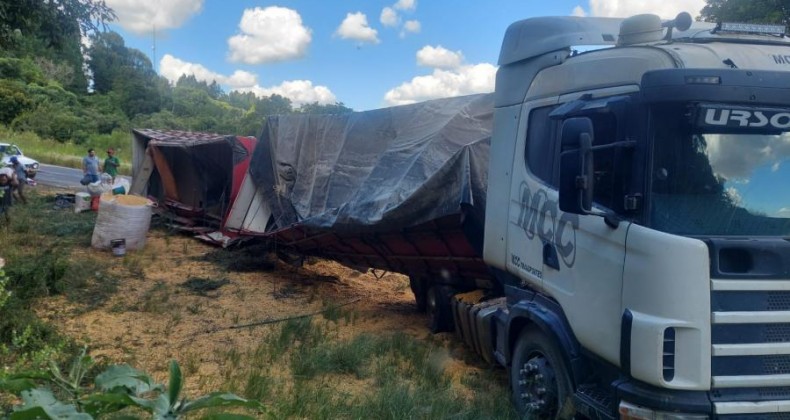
x: 575, y: 259
x: 531, y: 184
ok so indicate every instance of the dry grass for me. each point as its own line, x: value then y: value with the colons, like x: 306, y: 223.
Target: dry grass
x: 364, y: 353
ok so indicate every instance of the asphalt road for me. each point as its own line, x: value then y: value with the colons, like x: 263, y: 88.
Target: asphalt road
x: 58, y: 176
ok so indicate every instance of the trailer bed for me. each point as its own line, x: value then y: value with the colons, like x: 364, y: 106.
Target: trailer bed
x: 439, y: 248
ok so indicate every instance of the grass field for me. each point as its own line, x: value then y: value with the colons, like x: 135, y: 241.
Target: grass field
x: 334, y: 343
x: 69, y: 154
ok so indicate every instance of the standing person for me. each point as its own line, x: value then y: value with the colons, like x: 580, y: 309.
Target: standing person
x: 5, y: 194
x: 19, y: 179
x: 111, y: 164
x: 90, y: 168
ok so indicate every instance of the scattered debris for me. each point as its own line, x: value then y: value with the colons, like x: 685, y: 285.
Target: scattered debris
x: 216, y: 237
x: 201, y: 286
x: 250, y: 258
x: 64, y: 201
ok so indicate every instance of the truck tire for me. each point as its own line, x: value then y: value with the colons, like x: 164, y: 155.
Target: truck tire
x: 419, y: 286
x: 539, y: 378
x: 439, y: 311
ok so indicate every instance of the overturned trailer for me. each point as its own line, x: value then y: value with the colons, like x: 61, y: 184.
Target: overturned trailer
x: 401, y: 189
x: 194, y: 175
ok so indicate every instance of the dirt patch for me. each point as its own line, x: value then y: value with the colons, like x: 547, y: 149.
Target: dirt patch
x: 175, y: 301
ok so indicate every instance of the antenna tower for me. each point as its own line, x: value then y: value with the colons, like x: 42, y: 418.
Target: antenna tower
x: 153, y: 48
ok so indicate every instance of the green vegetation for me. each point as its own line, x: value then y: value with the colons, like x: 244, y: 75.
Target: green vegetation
x: 119, y: 388
x: 302, y: 369
x: 36, y: 248
x: 755, y: 11
x: 70, y: 154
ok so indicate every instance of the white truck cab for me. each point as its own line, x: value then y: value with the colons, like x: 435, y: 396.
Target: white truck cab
x: 645, y: 255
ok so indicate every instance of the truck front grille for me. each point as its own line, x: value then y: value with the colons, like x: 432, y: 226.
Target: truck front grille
x: 770, y: 416
x: 750, y: 339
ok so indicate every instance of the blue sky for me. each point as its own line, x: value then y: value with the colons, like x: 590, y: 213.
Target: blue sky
x: 364, y: 53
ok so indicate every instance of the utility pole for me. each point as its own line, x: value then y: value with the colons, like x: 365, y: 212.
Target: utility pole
x: 153, y: 47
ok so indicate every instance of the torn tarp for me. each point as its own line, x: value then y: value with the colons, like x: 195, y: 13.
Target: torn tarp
x: 377, y: 170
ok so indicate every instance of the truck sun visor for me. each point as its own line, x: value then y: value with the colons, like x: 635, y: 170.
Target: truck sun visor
x: 715, y: 116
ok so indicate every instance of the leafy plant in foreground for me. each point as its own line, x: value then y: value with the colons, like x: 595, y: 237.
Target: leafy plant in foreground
x: 117, y: 388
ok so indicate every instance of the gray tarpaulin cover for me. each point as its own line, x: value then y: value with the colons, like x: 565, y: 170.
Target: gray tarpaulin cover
x: 376, y: 170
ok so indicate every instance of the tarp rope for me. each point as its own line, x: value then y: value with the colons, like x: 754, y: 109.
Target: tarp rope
x: 274, y: 320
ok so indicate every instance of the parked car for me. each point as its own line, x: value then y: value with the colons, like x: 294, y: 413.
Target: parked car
x: 8, y: 150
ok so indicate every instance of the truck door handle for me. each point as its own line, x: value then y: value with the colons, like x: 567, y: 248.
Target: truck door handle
x: 550, y: 255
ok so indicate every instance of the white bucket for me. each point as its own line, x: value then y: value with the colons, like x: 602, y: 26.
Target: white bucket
x: 82, y: 202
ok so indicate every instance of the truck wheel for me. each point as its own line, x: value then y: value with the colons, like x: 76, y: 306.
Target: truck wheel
x: 438, y: 307
x: 419, y: 286
x: 539, y: 378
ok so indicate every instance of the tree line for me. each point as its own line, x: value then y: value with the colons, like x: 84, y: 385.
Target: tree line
x: 53, y: 85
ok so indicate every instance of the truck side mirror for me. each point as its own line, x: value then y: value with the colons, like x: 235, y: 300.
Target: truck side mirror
x: 576, y: 166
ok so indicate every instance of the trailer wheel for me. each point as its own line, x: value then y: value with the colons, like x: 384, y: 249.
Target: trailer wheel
x: 419, y: 286
x: 539, y: 378
x: 438, y: 307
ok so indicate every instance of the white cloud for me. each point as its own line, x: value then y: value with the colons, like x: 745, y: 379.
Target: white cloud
x: 578, y: 11
x: 355, y: 26
x: 389, y: 17
x: 141, y: 16
x: 269, y: 34
x: 623, y: 8
x: 439, y: 57
x: 241, y: 78
x: 734, y: 195
x: 736, y: 160
x: 411, y: 26
x: 465, y: 80
x: 406, y: 5
x: 172, y: 68
x: 300, y: 92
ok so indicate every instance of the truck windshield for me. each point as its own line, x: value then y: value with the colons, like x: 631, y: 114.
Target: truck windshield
x: 720, y: 179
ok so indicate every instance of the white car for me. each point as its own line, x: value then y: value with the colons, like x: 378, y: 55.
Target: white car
x: 8, y: 150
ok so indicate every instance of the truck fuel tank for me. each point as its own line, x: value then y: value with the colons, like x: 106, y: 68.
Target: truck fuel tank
x: 473, y: 317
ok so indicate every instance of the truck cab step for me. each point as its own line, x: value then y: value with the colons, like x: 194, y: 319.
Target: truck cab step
x: 595, y: 402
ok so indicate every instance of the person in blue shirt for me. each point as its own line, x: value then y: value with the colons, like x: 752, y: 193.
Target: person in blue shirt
x: 90, y: 168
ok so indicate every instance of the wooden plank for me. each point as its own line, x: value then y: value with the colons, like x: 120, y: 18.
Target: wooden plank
x: 140, y: 182
x: 168, y: 180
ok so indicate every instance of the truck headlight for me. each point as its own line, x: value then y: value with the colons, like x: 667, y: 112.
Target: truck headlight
x: 34, y: 166
x: 630, y: 411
